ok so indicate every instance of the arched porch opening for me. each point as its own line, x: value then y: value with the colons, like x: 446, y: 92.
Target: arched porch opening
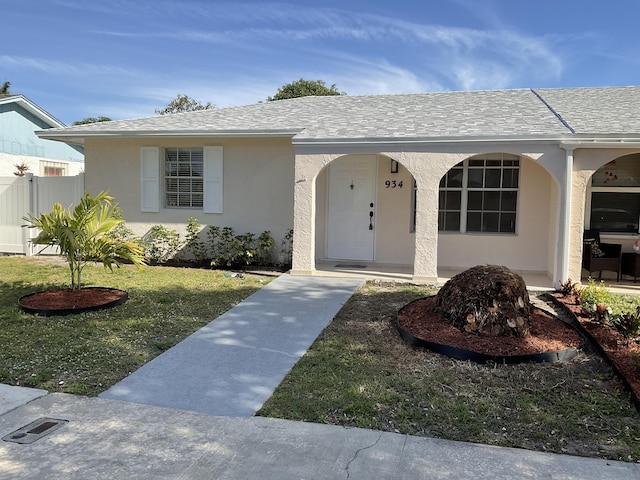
x: 365, y: 213
x: 498, y: 208
x: 612, y: 203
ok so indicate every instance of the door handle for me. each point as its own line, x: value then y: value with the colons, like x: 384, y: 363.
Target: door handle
x: 371, y: 220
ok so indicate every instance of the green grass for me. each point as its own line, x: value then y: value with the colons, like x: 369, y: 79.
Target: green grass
x: 87, y: 353
x: 359, y: 372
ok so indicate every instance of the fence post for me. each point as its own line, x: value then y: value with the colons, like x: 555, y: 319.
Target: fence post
x: 32, y: 183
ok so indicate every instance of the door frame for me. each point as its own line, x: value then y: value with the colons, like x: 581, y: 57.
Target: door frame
x: 373, y: 183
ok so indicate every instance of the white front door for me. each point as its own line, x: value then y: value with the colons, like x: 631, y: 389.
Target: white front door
x: 352, y: 196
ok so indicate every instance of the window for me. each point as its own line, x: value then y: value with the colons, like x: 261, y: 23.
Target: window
x: 183, y: 173
x: 615, y: 196
x: 480, y: 194
x: 52, y: 169
x: 181, y: 178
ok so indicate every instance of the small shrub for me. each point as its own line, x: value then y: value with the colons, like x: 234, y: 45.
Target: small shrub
x: 194, y: 244
x: 123, y: 233
x: 286, y: 250
x: 627, y: 323
x: 222, y: 246
x: 569, y: 288
x: 242, y: 249
x: 265, y: 248
x: 161, y: 243
x: 594, y: 294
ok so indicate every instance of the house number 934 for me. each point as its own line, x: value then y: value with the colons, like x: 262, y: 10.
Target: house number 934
x: 392, y: 184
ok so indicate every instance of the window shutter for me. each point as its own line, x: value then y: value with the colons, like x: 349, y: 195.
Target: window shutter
x: 213, y: 180
x: 150, y: 174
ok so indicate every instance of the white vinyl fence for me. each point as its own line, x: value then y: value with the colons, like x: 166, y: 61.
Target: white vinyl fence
x: 21, y: 195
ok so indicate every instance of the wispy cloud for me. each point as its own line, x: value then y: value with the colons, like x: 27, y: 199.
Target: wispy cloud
x: 491, y: 57
x: 63, y: 68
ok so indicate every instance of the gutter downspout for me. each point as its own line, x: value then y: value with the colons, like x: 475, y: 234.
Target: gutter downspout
x: 564, y: 233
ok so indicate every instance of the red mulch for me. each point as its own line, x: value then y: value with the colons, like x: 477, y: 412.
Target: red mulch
x: 68, y: 299
x: 623, y: 355
x: 548, y: 333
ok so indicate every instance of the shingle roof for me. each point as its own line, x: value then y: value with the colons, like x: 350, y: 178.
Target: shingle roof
x: 597, y: 111
x: 545, y: 113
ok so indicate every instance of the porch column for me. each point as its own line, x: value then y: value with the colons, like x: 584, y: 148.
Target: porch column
x: 304, y: 214
x: 561, y: 272
x: 425, y: 268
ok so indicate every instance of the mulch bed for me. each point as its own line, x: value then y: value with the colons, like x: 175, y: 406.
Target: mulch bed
x: 624, y: 356
x: 548, y: 333
x: 65, y: 301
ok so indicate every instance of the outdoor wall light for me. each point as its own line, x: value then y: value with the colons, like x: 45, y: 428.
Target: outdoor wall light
x: 394, y: 166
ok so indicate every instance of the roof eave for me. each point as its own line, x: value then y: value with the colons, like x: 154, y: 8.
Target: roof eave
x: 297, y: 141
x: 610, y: 141
x: 80, y: 137
x: 34, y: 109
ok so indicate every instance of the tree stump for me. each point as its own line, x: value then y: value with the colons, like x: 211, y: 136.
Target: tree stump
x: 486, y: 300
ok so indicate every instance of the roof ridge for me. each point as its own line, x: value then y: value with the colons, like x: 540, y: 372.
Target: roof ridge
x: 557, y: 115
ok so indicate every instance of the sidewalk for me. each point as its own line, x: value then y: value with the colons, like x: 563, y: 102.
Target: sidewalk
x: 109, y: 439
x: 232, y: 366
x: 187, y: 415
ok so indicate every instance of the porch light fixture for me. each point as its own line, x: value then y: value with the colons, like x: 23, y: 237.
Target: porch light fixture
x: 394, y: 166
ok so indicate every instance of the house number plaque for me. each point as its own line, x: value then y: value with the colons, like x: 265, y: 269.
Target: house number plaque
x: 393, y: 184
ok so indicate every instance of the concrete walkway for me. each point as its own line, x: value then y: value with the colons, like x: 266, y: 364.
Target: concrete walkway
x: 232, y: 366
x: 229, y: 369
x: 108, y: 439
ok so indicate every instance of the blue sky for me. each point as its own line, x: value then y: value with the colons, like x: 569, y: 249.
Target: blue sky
x: 127, y: 58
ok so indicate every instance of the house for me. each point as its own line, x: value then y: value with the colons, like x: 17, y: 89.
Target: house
x: 19, y: 145
x: 432, y: 181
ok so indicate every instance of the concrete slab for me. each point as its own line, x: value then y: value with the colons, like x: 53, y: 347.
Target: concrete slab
x: 13, y: 397
x: 231, y: 366
x: 113, y: 439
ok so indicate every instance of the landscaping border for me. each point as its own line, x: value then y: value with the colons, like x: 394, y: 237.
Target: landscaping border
x: 635, y: 396
x: 464, y: 354
x: 69, y: 311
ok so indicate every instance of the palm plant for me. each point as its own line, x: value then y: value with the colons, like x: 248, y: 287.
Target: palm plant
x: 81, y: 235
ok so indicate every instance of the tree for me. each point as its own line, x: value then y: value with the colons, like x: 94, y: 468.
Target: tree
x: 21, y: 169
x: 4, y: 89
x: 487, y: 300
x: 182, y: 103
x: 305, y: 88
x: 92, y: 120
x: 81, y: 235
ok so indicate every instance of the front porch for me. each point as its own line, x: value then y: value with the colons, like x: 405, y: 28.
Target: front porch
x: 404, y: 274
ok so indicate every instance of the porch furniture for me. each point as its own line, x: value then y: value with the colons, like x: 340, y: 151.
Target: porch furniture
x: 597, y: 256
x: 631, y: 265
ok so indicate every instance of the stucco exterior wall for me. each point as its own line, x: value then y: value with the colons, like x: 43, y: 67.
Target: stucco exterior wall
x: 258, y: 184
x: 395, y: 242
x: 525, y: 251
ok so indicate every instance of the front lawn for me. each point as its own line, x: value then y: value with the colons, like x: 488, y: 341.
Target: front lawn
x: 87, y: 353
x: 360, y: 373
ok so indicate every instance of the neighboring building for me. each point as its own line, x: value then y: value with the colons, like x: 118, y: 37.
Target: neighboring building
x: 433, y: 181
x: 19, y: 119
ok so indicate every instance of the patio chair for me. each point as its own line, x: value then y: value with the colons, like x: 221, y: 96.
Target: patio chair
x: 597, y: 256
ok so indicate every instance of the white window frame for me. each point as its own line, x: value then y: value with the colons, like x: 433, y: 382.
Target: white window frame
x: 464, y: 190
x: 154, y: 185
x: 180, y: 180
